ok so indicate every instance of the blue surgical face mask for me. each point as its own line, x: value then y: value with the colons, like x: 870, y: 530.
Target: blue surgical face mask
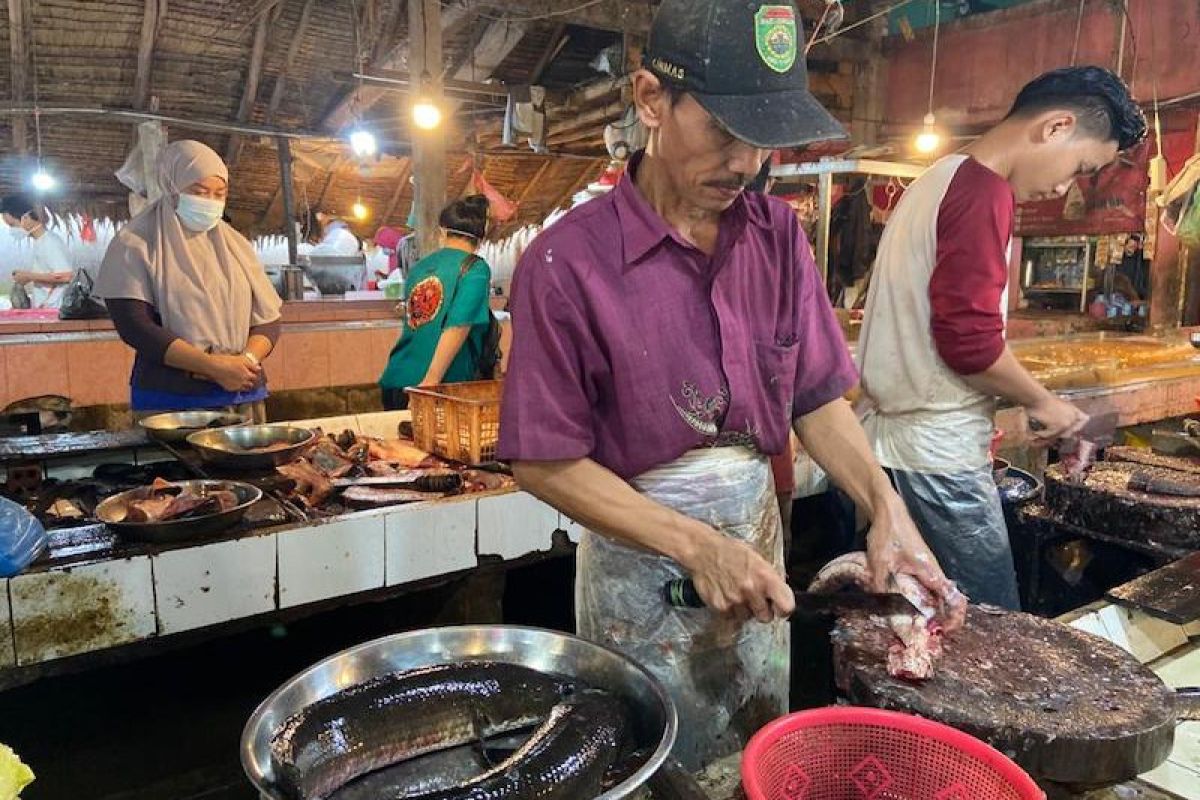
x: 199, y: 213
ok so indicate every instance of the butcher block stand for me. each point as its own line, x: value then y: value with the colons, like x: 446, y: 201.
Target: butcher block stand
x: 1171, y: 650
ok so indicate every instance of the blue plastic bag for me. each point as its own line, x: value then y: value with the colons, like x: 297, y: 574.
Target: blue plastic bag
x: 22, y: 538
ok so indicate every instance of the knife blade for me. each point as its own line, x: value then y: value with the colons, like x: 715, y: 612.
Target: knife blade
x: 681, y: 593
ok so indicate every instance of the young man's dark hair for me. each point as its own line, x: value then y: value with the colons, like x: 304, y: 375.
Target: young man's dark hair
x: 1099, y: 99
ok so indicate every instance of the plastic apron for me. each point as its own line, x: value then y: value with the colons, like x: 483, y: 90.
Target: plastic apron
x: 727, y: 678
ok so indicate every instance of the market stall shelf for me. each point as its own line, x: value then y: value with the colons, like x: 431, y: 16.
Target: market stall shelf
x: 225, y: 581
x: 333, y: 559
x: 514, y: 525
x: 8, y: 656
x: 425, y: 541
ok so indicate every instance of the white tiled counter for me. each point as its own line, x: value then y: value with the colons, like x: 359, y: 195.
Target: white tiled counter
x: 54, y: 611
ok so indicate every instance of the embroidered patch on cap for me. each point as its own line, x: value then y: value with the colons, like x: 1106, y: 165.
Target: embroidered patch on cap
x: 775, y: 36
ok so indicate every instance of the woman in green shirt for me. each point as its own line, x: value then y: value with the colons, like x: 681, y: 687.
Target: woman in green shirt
x: 446, y: 316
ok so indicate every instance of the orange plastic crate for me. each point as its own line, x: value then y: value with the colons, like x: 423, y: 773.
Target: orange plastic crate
x: 457, y: 421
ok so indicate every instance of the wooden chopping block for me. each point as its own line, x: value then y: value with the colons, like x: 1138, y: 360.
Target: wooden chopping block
x: 1067, y: 706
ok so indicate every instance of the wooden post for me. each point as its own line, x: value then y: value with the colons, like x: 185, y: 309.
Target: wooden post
x: 152, y: 13
x: 19, y: 70
x: 429, y: 147
x: 825, y: 217
x: 289, y: 200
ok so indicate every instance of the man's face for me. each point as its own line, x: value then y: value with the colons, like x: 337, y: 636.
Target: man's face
x: 10, y: 220
x: 706, y: 165
x: 1057, y: 153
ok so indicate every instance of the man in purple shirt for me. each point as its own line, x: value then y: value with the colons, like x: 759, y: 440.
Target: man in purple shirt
x: 665, y: 336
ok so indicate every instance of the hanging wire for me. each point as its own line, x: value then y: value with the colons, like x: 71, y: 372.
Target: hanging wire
x: 817, y: 28
x: 865, y: 21
x: 1078, y: 31
x: 937, y: 27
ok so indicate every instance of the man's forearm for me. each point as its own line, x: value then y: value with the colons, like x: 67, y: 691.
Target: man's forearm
x: 596, y: 498
x: 52, y: 278
x: 1006, y: 378
x: 834, y: 439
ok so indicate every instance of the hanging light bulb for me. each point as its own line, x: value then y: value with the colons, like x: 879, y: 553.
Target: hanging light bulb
x: 362, y: 142
x: 43, y: 181
x: 426, y: 115
x: 928, y: 140
x: 359, y: 210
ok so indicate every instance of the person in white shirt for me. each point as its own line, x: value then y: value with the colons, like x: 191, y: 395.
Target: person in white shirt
x: 336, y: 238
x: 50, y: 268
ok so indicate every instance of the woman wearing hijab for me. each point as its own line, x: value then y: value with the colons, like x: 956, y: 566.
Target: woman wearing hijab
x: 188, y: 294
x: 446, y: 315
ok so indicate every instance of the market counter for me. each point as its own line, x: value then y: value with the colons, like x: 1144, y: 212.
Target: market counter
x: 94, y: 592
x: 327, y: 343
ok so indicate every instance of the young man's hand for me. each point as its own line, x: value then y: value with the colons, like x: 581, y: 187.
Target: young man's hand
x: 1055, y: 418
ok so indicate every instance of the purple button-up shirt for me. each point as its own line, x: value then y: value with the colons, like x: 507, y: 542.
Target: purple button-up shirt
x: 631, y: 346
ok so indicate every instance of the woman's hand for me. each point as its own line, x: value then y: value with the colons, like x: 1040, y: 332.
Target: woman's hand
x: 233, y: 373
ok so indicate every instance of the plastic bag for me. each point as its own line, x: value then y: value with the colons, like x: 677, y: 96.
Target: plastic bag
x: 19, y: 297
x: 1189, y: 220
x: 22, y: 538
x: 77, y: 301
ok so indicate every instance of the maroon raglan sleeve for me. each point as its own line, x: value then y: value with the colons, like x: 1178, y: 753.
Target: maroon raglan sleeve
x: 974, y: 227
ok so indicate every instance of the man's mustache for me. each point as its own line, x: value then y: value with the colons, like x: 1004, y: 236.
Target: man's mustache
x: 736, y: 183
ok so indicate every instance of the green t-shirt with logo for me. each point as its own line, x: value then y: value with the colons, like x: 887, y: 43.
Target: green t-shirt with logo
x: 432, y: 305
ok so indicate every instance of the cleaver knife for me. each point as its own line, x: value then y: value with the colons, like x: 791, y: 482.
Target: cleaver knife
x: 681, y: 593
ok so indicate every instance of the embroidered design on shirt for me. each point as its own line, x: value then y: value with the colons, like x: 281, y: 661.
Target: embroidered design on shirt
x: 424, y: 302
x: 703, y: 414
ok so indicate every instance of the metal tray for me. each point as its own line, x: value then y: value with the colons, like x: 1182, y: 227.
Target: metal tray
x: 1018, y: 487
x: 227, y: 447
x: 176, y: 426
x: 178, y: 530
x: 652, y: 712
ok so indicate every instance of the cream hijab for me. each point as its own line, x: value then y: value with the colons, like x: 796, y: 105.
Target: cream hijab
x: 209, y: 288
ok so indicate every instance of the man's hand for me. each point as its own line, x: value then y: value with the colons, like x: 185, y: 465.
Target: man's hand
x: 22, y: 277
x: 1054, y: 419
x: 732, y: 578
x: 894, y: 546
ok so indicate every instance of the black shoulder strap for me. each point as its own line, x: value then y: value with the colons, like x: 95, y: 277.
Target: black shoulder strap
x: 468, y: 261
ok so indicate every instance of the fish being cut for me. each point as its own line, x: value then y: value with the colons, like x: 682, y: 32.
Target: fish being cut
x: 375, y: 496
x: 312, y: 486
x: 918, y: 642
x: 404, y: 715
x: 399, y: 451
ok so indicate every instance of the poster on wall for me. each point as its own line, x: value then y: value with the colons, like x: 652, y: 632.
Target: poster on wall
x: 1111, y: 201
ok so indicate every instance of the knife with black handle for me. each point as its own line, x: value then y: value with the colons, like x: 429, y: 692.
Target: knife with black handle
x: 681, y: 593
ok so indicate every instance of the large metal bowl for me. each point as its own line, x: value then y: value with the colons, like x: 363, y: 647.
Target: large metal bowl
x: 176, y: 426
x: 653, y: 714
x: 177, y: 530
x: 232, y: 448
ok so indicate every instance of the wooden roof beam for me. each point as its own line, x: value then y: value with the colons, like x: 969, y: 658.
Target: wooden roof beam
x: 289, y: 60
x: 558, y: 40
x: 153, y: 12
x: 253, y: 76
x: 401, y: 183
x: 607, y: 15
x: 357, y: 100
x: 17, y: 40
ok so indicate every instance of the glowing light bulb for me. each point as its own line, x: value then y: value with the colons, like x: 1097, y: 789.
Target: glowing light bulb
x: 362, y: 143
x: 928, y: 140
x: 43, y: 181
x: 360, y: 211
x: 426, y: 115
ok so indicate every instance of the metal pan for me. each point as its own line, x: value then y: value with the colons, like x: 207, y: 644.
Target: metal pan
x: 232, y: 448
x: 652, y: 712
x: 110, y: 513
x: 176, y: 426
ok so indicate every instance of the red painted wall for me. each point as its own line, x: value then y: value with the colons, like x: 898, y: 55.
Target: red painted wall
x: 985, y: 60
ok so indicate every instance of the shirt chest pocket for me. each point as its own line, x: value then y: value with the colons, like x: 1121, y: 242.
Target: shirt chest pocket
x: 775, y: 378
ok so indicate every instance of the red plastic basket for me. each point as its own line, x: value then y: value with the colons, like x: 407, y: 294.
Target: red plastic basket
x: 850, y: 753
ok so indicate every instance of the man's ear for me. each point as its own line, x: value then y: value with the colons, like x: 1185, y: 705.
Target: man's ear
x: 649, y: 98
x: 1056, y: 126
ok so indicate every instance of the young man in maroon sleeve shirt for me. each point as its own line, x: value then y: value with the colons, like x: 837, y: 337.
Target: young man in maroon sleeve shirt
x: 932, y: 351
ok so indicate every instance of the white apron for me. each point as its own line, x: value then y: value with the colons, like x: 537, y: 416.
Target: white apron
x: 727, y: 679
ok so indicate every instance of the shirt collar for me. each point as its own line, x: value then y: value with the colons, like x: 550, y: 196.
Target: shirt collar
x: 642, y: 229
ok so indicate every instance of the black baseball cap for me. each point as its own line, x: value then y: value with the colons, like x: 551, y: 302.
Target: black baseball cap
x: 744, y: 63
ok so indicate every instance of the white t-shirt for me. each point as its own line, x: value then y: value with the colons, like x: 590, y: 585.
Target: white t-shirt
x: 48, y: 254
x: 337, y: 241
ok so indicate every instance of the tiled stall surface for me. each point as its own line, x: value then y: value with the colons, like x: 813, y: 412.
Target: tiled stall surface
x: 514, y: 525
x: 8, y: 656
x: 199, y: 586
x: 331, y: 560
x: 74, y: 610
x: 426, y: 540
